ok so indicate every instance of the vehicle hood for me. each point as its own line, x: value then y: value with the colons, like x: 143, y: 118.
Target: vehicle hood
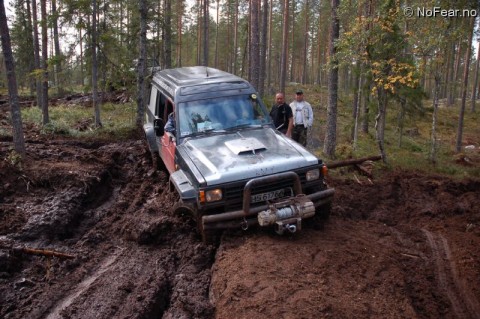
x: 245, y: 154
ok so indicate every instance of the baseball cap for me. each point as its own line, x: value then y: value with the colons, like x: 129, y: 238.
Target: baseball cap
x: 299, y: 92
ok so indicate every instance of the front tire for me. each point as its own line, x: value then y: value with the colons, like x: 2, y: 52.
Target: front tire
x: 209, y: 237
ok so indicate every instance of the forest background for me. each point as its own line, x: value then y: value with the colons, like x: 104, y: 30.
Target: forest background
x: 381, y: 77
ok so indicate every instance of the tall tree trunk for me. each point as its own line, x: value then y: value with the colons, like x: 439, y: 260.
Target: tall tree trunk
x: 365, y: 111
x: 58, y: 52
x: 380, y: 121
x: 283, y: 63
x: 141, y: 63
x: 103, y: 57
x: 447, y: 69
x: 433, y: 149
x: 206, y: 24
x: 167, y: 43
x: 318, y: 77
x: 245, y: 53
x: 36, y: 51
x: 475, y: 82
x: 228, y: 60
x: 401, y: 120
x: 254, y: 41
x: 357, y: 95
x: 96, y: 107
x: 331, y: 129
x: 235, y: 39
x: 46, y: 118
x: 199, y: 31
x: 452, y: 94
x: 16, y: 115
x: 305, y: 43
x: 292, y: 50
x: 160, y: 27
x: 449, y: 83
x: 29, y: 29
x: 216, y: 34
x: 82, y: 76
x: 269, y: 56
x: 179, y: 32
x: 263, y: 48
x: 458, y: 145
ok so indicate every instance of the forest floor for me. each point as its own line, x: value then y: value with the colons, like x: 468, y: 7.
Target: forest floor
x: 401, y: 245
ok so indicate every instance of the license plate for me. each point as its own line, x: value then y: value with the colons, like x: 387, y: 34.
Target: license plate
x: 267, y: 196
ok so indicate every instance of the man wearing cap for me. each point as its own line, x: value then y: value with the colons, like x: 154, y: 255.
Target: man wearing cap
x: 281, y: 114
x: 302, y: 118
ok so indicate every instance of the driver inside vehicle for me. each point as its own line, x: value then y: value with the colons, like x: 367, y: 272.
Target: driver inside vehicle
x: 170, y: 125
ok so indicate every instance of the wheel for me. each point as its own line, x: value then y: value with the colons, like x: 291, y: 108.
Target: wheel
x: 157, y: 162
x: 182, y: 209
x: 323, y: 212
x: 209, y: 237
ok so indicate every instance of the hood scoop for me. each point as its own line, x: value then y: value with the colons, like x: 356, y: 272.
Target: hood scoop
x: 245, y: 145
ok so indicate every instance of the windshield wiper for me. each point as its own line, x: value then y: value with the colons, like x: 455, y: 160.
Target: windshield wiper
x: 245, y: 125
x: 212, y: 130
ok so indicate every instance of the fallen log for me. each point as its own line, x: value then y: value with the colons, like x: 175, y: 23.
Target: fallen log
x: 37, y: 251
x: 42, y: 252
x: 353, y: 161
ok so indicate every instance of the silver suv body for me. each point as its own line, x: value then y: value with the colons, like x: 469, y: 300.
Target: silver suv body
x: 229, y: 165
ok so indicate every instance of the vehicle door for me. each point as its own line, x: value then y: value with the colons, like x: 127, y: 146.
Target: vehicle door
x: 168, y: 140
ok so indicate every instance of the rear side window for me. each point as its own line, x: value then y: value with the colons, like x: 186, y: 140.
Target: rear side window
x: 159, y: 105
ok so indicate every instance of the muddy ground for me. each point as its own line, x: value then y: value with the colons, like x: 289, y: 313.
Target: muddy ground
x: 405, y: 245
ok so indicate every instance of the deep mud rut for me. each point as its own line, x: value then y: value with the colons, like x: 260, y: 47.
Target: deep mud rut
x: 405, y: 246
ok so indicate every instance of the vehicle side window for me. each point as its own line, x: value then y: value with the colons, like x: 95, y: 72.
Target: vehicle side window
x: 169, y: 108
x: 150, y: 89
x: 152, y: 100
x: 160, y: 109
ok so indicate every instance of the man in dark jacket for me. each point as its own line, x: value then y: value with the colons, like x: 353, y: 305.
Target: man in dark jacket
x: 282, y: 115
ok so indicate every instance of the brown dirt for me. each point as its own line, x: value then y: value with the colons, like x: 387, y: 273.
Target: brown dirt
x: 406, y: 245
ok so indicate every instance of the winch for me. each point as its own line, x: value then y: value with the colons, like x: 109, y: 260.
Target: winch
x: 287, y: 215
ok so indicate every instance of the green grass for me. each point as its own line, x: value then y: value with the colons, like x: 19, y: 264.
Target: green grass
x: 118, y: 120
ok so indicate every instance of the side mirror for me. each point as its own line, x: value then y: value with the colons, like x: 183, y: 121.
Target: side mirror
x: 159, y: 127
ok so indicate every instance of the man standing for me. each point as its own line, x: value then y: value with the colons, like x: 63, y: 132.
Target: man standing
x: 302, y: 118
x: 282, y: 116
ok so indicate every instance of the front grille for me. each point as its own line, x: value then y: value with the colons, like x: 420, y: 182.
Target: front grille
x: 233, y: 193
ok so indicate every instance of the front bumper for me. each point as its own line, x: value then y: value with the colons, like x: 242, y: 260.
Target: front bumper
x: 248, y: 215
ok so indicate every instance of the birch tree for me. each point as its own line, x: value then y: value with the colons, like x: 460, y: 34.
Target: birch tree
x: 461, y: 116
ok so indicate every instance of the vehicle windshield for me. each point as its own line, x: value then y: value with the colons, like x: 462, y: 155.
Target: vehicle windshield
x: 221, y: 114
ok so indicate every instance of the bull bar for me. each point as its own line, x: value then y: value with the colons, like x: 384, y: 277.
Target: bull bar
x: 238, y: 218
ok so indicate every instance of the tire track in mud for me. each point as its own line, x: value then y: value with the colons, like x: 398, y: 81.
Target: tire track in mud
x: 82, y: 287
x: 463, y: 303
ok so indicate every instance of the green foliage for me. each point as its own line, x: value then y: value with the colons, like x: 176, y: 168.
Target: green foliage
x: 414, y: 151
x: 14, y: 159
x: 76, y: 121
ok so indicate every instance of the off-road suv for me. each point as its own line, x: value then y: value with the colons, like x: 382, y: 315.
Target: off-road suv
x: 228, y: 163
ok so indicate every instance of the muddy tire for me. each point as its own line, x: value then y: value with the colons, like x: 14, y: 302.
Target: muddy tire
x: 209, y: 237
x: 157, y: 163
x: 181, y: 209
x: 323, y: 212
